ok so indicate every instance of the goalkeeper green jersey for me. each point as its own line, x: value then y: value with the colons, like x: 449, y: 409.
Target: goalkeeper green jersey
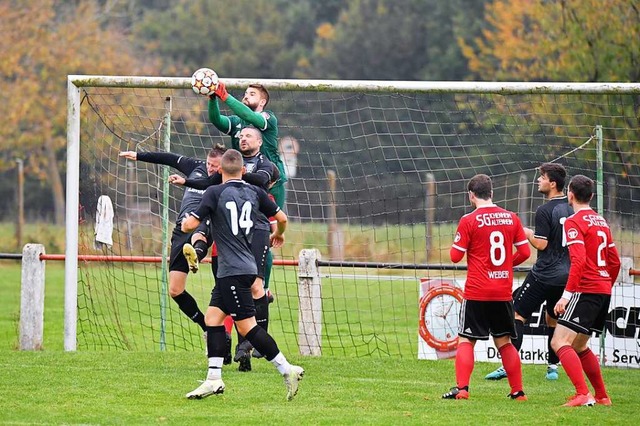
x: 265, y: 121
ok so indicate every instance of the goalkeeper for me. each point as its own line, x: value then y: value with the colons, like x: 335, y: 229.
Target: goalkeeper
x: 251, y: 112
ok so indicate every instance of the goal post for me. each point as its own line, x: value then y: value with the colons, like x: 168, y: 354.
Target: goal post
x: 379, y: 179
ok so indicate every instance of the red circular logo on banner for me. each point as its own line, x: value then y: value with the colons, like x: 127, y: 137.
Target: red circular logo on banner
x: 449, y: 295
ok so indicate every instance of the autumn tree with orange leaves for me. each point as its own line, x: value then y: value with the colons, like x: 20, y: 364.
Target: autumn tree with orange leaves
x: 568, y: 40
x: 42, y: 42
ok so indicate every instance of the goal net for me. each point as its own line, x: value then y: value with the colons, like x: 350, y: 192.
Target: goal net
x: 378, y: 174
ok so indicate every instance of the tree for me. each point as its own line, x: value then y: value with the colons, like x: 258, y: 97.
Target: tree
x: 447, y: 23
x: 392, y: 40
x: 244, y: 38
x: 373, y: 39
x: 568, y: 40
x: 43, y: 42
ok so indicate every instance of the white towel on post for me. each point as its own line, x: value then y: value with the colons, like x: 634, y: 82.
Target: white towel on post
x: 104, y: 221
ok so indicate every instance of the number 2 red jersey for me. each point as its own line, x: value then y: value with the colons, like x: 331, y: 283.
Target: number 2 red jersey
x: 594, y: 258
x: 487, y: 235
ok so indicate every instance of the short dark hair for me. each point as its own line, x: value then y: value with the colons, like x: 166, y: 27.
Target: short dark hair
x: 582, y: 188
x: 217, y: 151
x: 231, y: 162
x: 555, y: 172
x: 481, y: 186
x: 262, y: 90
x: 255, y: 130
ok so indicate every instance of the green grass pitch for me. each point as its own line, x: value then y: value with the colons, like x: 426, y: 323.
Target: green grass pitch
x: 148, y: 387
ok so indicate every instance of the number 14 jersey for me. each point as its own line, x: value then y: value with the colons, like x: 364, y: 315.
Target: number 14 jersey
x: 236, y: 210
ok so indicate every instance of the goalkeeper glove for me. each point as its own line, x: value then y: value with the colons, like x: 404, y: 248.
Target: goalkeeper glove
x: 221, y: 92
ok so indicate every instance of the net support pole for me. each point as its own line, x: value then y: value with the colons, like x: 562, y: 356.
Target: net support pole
x: 71, y: 220
x: 335, y: 240
x: 164, y: 293
x: 32, y: 298
x: 310, y: 303
x: 430, y: 199
x: 599, y: 172
x: 523, y: 200
x: 600, y: 210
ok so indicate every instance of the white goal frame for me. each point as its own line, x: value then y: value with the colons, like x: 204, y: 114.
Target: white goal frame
x: 76, y: 82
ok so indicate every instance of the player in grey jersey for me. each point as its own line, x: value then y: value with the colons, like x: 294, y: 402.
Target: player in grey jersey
x: 549, y: 274
x: 178, y: 265
x: 234, y: 208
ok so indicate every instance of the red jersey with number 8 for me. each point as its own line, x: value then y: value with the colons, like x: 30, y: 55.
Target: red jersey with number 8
x: 487, y: 236
x: 594, y: 258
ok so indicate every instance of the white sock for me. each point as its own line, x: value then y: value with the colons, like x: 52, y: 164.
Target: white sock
x: 281, y: 364
x: 215, y: 368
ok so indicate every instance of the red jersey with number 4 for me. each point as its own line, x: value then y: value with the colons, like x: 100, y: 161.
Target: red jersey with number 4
x: 487, y: 235
x: 594, y: 258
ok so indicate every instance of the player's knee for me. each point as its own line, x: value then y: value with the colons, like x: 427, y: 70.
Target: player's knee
x: 257, y: 288
x: 558, y: 341
x: 196, y: 236
x: 173, y: 291
x: 176, y: 287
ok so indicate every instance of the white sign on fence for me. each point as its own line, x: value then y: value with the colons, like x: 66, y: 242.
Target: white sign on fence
x: 438, y: 325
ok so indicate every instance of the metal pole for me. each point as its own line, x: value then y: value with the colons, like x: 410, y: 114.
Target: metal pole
x: 523, y: 199
x: 334, y: 238
x: 600, y: 209
x: 599, y: 172
x: 164, y: 294
x: 430, y: 211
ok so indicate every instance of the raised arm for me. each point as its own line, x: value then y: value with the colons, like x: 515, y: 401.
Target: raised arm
x: 179, y: 162
x: 257, y: 119
x: 221, y: 122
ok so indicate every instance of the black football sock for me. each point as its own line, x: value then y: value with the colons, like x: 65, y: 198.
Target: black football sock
x: 189, y: 306
x: 201, y: 249
x: 216, y: 341
x: 520, y: 330
x: 263, y: 342
x: 262, y: 312
x: 553, y: 357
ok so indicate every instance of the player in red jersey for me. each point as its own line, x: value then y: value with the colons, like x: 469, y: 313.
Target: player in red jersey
x: 584, y: 305
x: 487, y: 235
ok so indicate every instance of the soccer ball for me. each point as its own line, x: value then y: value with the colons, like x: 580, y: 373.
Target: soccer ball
x: 204, y: 81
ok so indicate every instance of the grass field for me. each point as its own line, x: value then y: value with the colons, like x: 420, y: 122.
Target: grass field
x: 148, y: 387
